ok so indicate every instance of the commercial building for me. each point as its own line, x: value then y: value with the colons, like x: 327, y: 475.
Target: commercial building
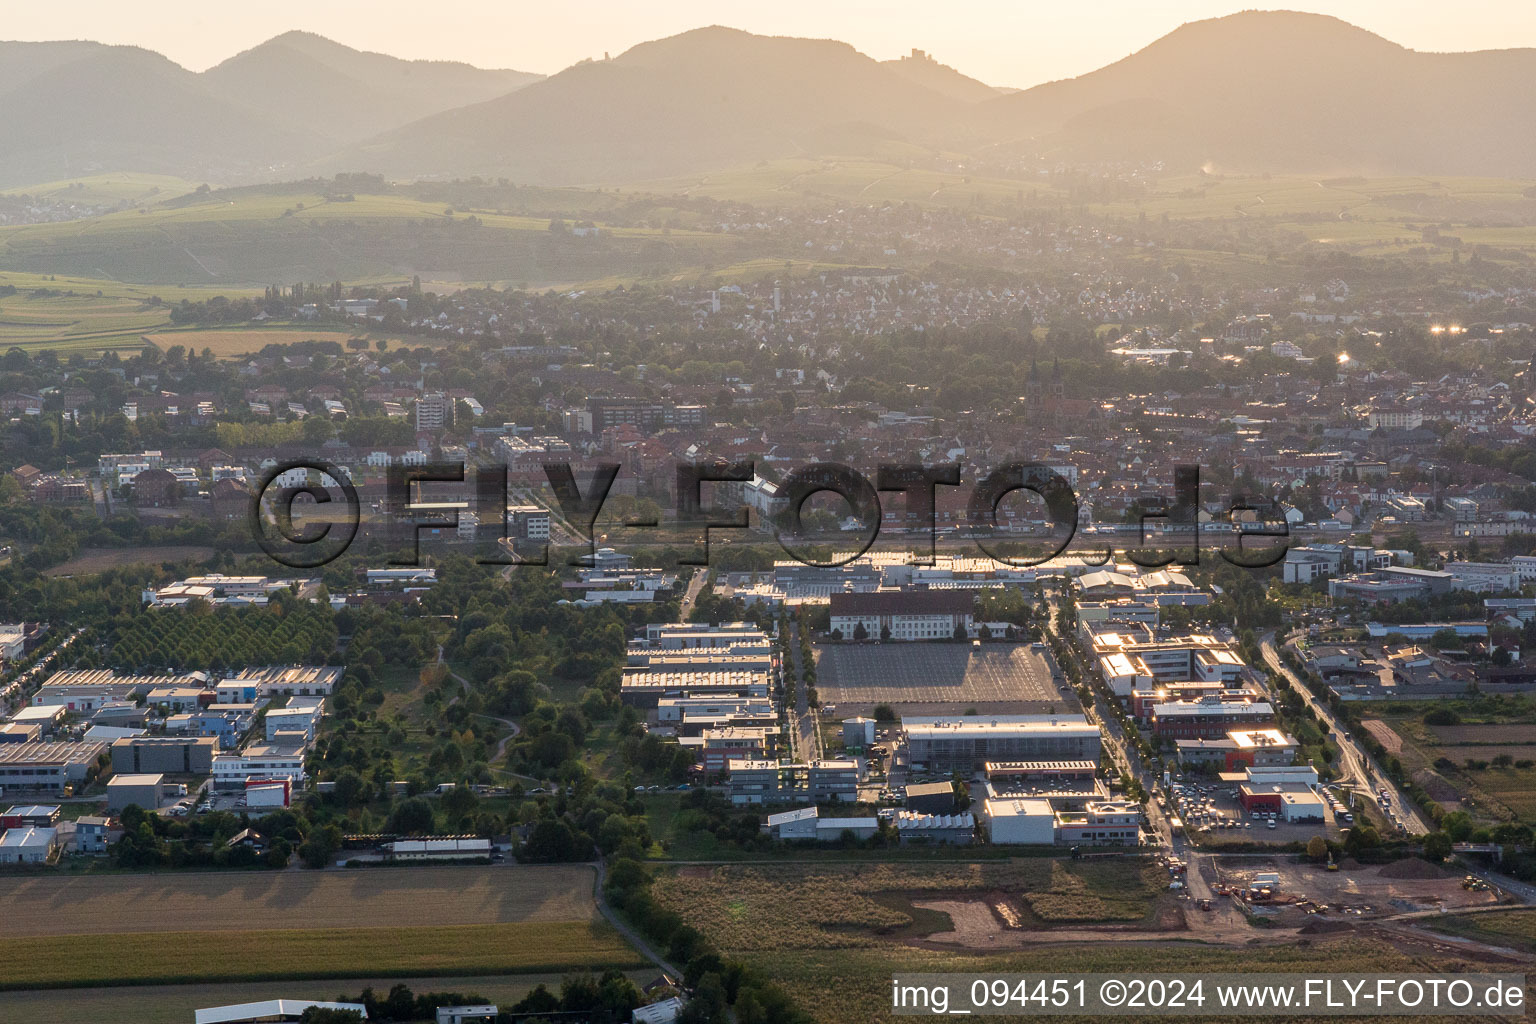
x: 141, y: 790
x: 49, y: 767
x: 1290, y: 801
x: 179, y: 699
x: 858, y: 732
x: 1130, y: 659
x: 966, y: 743
x: 953, y: 829
x: 218, y: 589
x: 691, y: 715
x: 28, y: 845
x: 484, y: 1013
x: 275, y: 680
x: 233, y: 771
x: 439, y: 848
x: 20, y: 732
x: 1312, y: 562
x: 269, y: 1010
x: 1024, y: 821
x: 805, y: 824
x: 1040, y: 821
x: 1208, y: 717
x: 302, y: 720
x: 931, y: 798
x: 1256, y: 748
x: 902, y: 614
x: 45, y: 717
x: 169, y: 755
x: 751, y: 783
x: 714, y: 748
x: 268, y: 794
x: 34, y: 815
x: 528, y: 522
x: 644, y: 688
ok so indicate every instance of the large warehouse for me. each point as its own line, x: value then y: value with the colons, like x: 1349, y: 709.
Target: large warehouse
x: 965, y: 743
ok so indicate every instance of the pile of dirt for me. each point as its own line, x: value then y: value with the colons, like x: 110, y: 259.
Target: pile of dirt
x: 1324, y: 926
x: 1414, y: 868
x: 1350, y: 864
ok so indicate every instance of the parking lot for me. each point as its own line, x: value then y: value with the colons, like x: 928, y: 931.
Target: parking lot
x: 1210, y: 809
x: 940, y: 677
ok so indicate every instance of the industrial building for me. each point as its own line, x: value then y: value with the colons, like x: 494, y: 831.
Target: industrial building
x: 966, y: 743
x: 36, y: 815
x: 268, y: 1010
x: 644, y: 688
x: 806, y: 824
x: 28, y: 845
x: 142, y: 790
x: 931, y: 798
x: 169, y: 755
x: 952, y: 829
x: 1039, y: 821
x: 47, y: 766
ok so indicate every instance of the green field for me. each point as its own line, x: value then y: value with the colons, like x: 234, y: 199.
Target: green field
x: 1514, y: 929
x: 109, y: 189
x: 251, y: 237
x: 1455, y: 762
x: 164, y: 958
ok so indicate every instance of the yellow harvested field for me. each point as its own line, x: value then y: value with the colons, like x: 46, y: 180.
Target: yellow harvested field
x: 249, y: 901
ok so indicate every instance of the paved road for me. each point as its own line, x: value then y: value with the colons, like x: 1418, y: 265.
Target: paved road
x: 1358, y: 767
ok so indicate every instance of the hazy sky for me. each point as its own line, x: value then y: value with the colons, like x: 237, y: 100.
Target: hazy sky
x: 1005, y: 42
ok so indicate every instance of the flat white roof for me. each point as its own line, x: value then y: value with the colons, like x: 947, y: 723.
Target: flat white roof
x: 145, y: 779
x: 1019, y: 807
x: 266, y: 1009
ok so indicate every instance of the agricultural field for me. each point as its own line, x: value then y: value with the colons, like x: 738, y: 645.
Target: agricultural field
x: 770, y: 908
x: 59, y: 905
x: 172, y: 957
x: 108, y: 189
x: 77, y: 323
x: 173, y: 1004
x: 1514, y: 929
x: 90, y: 561
x: 1476, y: 755
x: 252, y: 237
x: 207, y: 927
